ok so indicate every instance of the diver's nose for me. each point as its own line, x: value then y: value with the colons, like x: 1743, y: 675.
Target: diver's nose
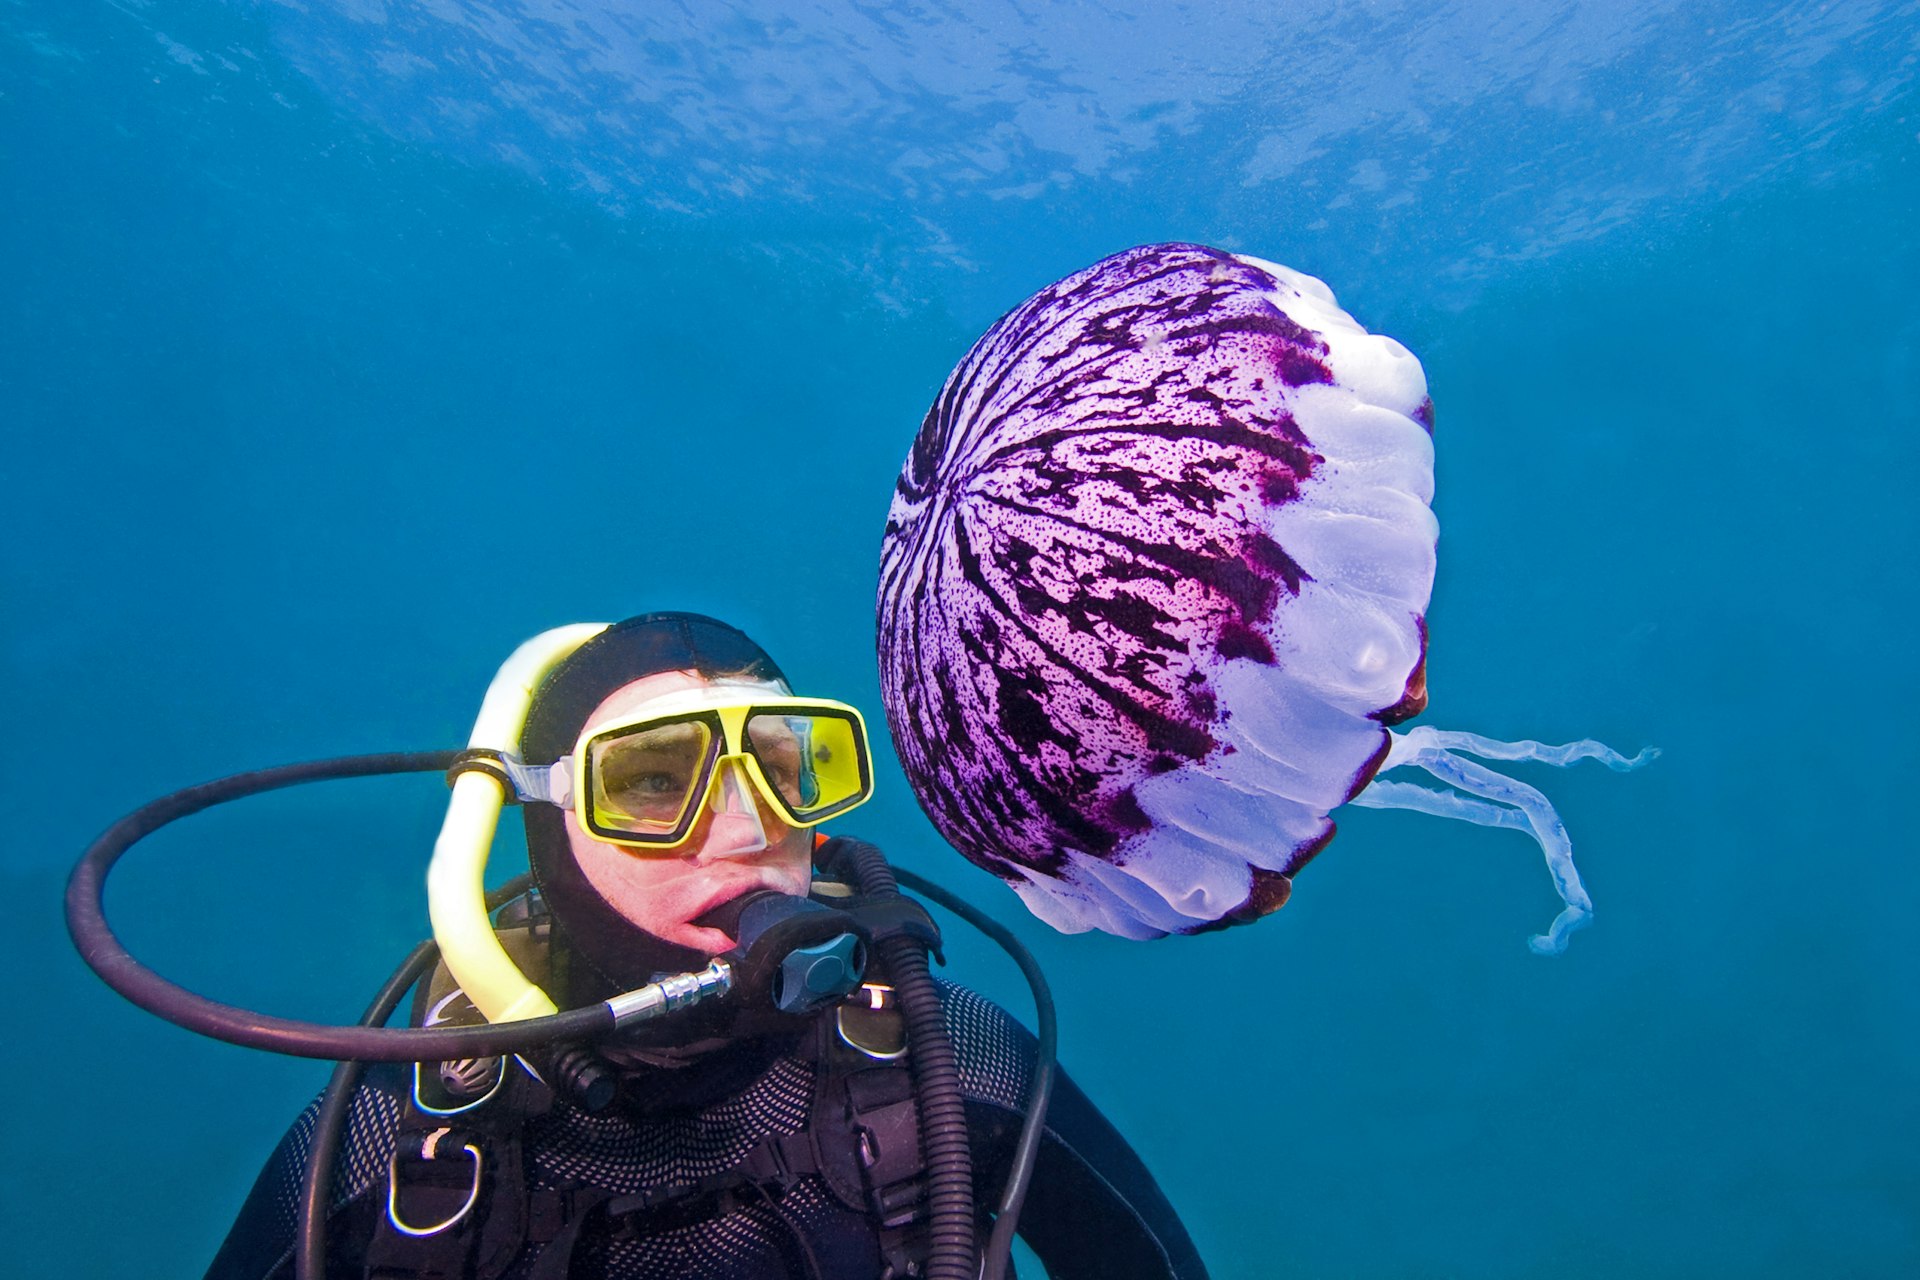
x: 734, y: 828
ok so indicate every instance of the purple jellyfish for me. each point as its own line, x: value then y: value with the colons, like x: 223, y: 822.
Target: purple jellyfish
x: 1153, y: 587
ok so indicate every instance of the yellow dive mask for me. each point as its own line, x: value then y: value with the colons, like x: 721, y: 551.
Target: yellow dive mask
x: 642, y: 781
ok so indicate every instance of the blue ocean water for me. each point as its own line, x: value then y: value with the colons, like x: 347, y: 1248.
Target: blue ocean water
x: 343, y: 346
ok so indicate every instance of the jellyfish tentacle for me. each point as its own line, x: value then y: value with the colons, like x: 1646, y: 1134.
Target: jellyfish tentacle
x: 1383, y: 794
x: 1525, y: 749
x: 1432, y: 750
x: 1548, y: 829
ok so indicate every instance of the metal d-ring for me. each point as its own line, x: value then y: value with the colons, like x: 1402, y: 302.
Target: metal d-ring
x: 430, y: 1150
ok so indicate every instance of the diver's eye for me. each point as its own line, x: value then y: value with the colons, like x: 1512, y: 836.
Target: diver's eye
x: 779, y: 747
x: 784, y: 773
x: 650, y: 784
x: 657, y: 793
x: 651, y: 774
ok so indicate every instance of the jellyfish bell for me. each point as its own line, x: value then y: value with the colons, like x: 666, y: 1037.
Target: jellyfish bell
x: 1153, y: 589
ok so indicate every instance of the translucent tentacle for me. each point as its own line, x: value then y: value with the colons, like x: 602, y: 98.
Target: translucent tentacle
x: 1382, y: 794
x: 1495, y: 800
x: 1477, y: 779
x: 1424, y: 736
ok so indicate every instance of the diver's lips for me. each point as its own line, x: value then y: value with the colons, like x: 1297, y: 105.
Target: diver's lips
x: 714, y: 913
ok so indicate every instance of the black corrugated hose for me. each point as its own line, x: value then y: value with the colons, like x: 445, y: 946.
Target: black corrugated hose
x: 936, y: 1077
x: 995, y: 1262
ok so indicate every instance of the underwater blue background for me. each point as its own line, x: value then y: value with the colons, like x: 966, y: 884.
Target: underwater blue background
x: 344, y: 345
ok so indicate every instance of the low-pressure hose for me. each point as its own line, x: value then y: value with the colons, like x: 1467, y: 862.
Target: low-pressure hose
x: 106, y: 956
x: 936, y: 1078
x: 330, y: 1125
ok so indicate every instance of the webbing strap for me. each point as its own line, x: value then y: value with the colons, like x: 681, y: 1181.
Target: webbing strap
x: 456, y: 1196
x: 558, y: 1218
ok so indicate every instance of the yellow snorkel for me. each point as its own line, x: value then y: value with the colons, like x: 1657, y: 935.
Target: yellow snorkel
x: 456, y: 878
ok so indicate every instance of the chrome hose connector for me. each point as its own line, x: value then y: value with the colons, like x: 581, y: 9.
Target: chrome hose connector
x: 656, y: 999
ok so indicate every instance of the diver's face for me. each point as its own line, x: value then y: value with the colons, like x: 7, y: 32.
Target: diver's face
x: 665, y: 891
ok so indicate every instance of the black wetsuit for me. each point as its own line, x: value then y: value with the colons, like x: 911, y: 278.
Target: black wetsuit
x: 1093, y: 1209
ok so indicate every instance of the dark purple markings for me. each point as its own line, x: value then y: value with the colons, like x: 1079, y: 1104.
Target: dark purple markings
x: 1079, y: 538
x: 1268, y: 556
x: 1125, y: 814
x: 1307, y: 852
x: 1364, y: 774
x: 1269, y: 893
x: 1237, y: 640
x: 1413, y: 699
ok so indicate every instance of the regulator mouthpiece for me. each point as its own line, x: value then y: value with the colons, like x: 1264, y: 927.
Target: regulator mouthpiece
x: 795, y: 954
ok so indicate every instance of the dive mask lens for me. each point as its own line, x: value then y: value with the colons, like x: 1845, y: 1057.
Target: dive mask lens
x: 645, y: 783
x: 814, y: 760
x: 646, y: 780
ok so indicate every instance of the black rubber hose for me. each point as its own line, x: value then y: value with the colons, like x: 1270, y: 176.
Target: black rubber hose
x: 95, y: 940
x: 1013, y: 1197
x: 936, y: 1078
x: 329, y: 1126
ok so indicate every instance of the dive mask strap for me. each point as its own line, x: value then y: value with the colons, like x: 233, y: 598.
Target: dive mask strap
x: 529, y: 783
x: 542, y: 783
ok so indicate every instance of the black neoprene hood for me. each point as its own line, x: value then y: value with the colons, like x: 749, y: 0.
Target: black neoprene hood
x: 624, y: 652
x: 618, y: 952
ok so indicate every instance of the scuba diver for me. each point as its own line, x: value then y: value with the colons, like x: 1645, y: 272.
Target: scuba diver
x: 770, y: 1084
